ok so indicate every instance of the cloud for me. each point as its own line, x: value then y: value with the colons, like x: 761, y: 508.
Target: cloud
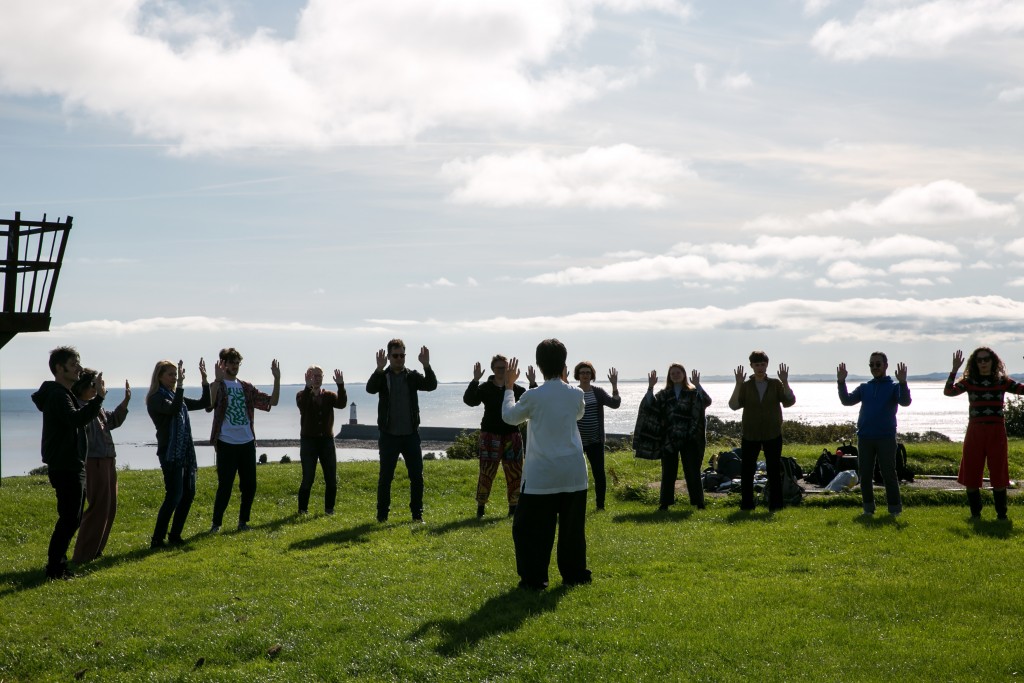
x: 1016, y: 247
x: 874, y: 320
x: 814, y: 7
x: 1016, y: 282
x: 1011, y: 95
x: 700, y: 74
x: 731, y: 81
x: 920, y: 265
x: 600, y: 177
x: 737, y: 81
x: 439, y: 282
x: 916, y: 282
x: 938, y: 202
x: 902, y: 29
x: 655, y: 268
x: 356, y: 72
x: 182, y: 324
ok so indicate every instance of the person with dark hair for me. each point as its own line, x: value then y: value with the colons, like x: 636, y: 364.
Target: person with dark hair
x: 591, y: 425
x: 64, y: 448
x: 316, y: 435
x: 234, y: 403
x: 762, y: 399
x: 100, y: 470
x: 879, y: 400
x: 398, y: 419
x: 554, y: 488
x: 168, y: 408
x: 681, y: 407
x: 499, y: 442
x: 986, y: 383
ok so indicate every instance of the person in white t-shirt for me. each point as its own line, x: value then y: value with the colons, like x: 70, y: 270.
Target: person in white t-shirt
x: 554, y: 485
x: 233, y: 403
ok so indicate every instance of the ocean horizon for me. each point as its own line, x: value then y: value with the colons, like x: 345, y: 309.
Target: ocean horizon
x: 817, y: 403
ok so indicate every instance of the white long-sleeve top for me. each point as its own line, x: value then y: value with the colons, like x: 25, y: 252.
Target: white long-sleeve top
x: 554, y: 460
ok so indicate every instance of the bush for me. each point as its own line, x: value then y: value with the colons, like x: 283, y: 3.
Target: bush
x: 40, y: 471
x: 1014, y: 414
x: 795, y: 431
x: 922, y: 437
x: 466, y: 446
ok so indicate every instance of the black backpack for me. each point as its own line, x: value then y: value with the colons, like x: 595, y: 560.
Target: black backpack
x: 824, y: 470
x: 792, y: 492
x: 730, y: 463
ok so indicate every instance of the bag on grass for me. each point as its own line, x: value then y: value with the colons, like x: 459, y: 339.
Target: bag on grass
x: 824, y: 470
x: 729, y: 463
x: 792, y: 492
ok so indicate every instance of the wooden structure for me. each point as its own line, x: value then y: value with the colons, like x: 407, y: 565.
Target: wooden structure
x: 30, y: 268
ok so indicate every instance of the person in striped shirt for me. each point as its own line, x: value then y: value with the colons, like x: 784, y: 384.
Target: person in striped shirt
x: 591, y: 426
x: 986, y: 383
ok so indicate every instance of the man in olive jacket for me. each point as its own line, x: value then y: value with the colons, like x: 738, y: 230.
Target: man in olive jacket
x: 64, y: 448
x: 398, y: 418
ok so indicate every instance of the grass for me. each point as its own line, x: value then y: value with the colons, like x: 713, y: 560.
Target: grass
x: 811, y: 593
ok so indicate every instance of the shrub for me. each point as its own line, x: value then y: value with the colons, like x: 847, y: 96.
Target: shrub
x: 465, y: 446
x: 40, y: 471
x: 285, y: 459
x: 1014, y: 414
x: 922, y: 437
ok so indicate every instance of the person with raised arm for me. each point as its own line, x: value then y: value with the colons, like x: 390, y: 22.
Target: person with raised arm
x: 175, y: 447
x: 398, y: 419
x: 499, y: 442
x: 879, y: 400
x: 100, y: 470
x: 63, y: 449
x: 554, y: 488
x: 681, y: 407
x: 316, y: 435
x: 986, y: 383
x: 591, y: 425
x: 234, y: 403
x: 762, y: 399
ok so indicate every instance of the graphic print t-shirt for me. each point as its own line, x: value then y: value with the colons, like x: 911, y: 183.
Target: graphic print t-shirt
x: 236, y: 428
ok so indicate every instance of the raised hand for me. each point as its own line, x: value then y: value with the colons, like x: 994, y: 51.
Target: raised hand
x: 339, y: 378
x: 202, y: 371
x: 127, y: 392
x: 841, y: 372
x: 424, y: 356
x: 740, y: 373
x: 382, y: 358
x: 511, y: 372
x: 613, y: 377
x: 958, y: 360
x: 181, y: 374
x: 901, y: 373
x: 531, y: 374
x: 101, y: 386
x: 783, y: 372
x: 275, y: 370
x: 694, y: 378
x: 478, y: 371
x: 219, y: 373
x: 652, y: 379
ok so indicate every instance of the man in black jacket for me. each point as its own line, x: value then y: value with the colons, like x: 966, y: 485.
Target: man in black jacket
x: 398, y: 418
x: 64, y: 449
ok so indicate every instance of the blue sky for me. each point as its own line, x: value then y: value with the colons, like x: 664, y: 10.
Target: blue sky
x: 648, y: 180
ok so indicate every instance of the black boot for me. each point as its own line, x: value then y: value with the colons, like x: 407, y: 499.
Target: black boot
x: 974, y: 500
x: 479, y: 511
x: 1000, y: 502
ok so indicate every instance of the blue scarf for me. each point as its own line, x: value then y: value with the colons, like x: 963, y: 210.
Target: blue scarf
x: 180, y: 448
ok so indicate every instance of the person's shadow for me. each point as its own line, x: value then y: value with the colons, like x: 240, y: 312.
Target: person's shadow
x: 356, y: 534
x: 472, y: 522
x: 655, y: 516
x: 501, y: 614
x: 12, y: 582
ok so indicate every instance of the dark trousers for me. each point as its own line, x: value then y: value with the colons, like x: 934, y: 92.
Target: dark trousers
x: 595, y: 456
x: 884, y: 450
x: 533, y: 532
x: 231, y: 459
x: 70, y: 490
x: 314, y: 449
x: 179, y: 492
x: 692, y: 455
x: 772, y: 462
x: 408, y: 446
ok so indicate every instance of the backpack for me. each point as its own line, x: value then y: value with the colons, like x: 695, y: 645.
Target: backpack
x: 729, y: 463
x: 792, y: 492
x: 712, y: 481
x: 824, y: 469
x: 846, y: 457
x: 798, y: 472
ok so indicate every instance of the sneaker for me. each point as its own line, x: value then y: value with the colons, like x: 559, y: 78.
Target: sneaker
x: 329, y: 512
x: 215, y: 528
x: 175, y: 540
x: 417, y: 519
x: 243, y: 526
x: 156, y: 543
x: 303, y: 512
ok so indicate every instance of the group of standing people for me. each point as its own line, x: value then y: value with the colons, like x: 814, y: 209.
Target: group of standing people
x: 545, y: 490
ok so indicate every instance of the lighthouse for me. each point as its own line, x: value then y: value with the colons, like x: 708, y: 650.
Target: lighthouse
x: 352, y: 414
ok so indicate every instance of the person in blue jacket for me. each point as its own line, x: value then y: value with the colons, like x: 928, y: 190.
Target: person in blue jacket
x: 879, y: 400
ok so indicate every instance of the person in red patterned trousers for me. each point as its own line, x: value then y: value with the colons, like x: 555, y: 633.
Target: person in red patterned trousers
x: 986, y: 383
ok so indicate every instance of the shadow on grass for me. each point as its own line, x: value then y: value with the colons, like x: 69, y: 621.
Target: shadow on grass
x: 655, y: 516
x: 12, y: 582
x: 501, y: 614
x: 272, y: 525
x: 356, y: 534
x: 469, y: 522
x: 988, y: 528
x: 879, y: 520
x: 748, y: 516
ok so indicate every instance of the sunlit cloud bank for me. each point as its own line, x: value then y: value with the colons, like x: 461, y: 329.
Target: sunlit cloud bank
x: 188, y: 324
x: 356, y: 72
x: 600, y: 177
x: 937, y: 203
x: 769, y: 256
x: 898, y: 28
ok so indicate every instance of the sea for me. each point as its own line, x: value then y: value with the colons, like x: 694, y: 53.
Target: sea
x: 816, y: 403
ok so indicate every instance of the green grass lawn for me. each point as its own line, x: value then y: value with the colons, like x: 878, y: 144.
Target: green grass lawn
x: 811, y: 593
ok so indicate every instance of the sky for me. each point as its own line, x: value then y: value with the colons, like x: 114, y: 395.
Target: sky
x: 647, y: 180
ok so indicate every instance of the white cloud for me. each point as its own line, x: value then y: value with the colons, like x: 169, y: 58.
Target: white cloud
x: 814, y: 7
x: 655, y: 268
x: 920, y: 265
x: 766, y: 247
x: 900, y: 246
x: 439, y: 282
x: 472, y: 282
x: 848, y: 270
x: 1016, y: 282
x: 915, y: 29
x: 1016, y: 247
x: 981, y: 265
x: 1011, y: 95
x: 600, y: 177
x: 700, y: 74
x: 737, y: 81
x: 182, y: 324
x: 916, y: 282
x: 938, y: 202
x: 355, y: 72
